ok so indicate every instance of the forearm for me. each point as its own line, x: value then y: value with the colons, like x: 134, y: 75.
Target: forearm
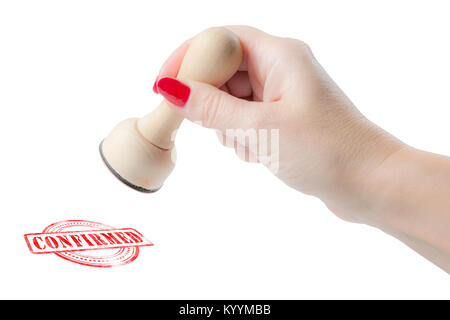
x: 410, y: 199
x: 439, y: 257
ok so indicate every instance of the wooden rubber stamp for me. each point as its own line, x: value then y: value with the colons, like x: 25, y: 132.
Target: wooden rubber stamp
x: 138, y: 151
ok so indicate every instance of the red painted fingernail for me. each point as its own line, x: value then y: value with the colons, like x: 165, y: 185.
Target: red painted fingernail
x: 155, y: 87
x: 174, y: 91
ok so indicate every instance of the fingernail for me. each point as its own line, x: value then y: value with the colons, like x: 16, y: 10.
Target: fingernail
x: 155, y: 87
x: 174, y: 91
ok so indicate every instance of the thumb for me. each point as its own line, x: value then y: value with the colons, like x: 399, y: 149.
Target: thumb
x: 209, y: 106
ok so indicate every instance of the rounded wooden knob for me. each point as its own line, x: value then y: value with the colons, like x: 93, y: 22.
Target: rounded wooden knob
x: 213, y: 56
x: 139, y: 152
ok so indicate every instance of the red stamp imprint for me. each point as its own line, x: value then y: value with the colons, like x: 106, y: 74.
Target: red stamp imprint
x: 88, y: 243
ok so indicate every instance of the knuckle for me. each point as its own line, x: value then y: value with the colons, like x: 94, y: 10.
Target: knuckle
x: 303, y: 45
x: 298, y: 47
x: 299, y: 44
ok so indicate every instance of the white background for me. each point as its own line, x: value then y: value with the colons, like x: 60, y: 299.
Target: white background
x: 222, y: 228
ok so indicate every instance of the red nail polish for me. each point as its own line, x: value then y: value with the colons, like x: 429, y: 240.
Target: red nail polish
x: 155, y: 87
x: 174, y: 91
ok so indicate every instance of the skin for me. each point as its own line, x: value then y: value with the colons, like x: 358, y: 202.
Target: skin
x: 327, y: 148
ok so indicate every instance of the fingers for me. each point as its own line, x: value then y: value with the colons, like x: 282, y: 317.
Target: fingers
x: 249, y: 39
x: 224, y: 140
x: 225, y: 88
x: 173, y: 63
x: 244, y: 152
x: 256, y: 45
x: 252, y: 42
x: 262, y: 59
x: 239, y: 85
x: 210, y: 106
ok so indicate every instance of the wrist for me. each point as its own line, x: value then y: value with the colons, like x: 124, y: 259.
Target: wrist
x: 355, y: 196
x: 409, y: 193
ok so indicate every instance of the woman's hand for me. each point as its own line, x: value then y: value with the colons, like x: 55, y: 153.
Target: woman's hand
x: 282, y: 109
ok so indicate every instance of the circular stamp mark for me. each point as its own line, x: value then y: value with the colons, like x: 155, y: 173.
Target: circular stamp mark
x: 88, y: 243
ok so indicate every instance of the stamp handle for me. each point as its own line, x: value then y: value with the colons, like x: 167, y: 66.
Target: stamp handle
x: 213, y: 56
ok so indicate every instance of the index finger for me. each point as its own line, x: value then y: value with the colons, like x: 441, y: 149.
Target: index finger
x: 171, y: 66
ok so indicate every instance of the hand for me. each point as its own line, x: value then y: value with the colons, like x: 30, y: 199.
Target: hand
x: 318, y: 142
